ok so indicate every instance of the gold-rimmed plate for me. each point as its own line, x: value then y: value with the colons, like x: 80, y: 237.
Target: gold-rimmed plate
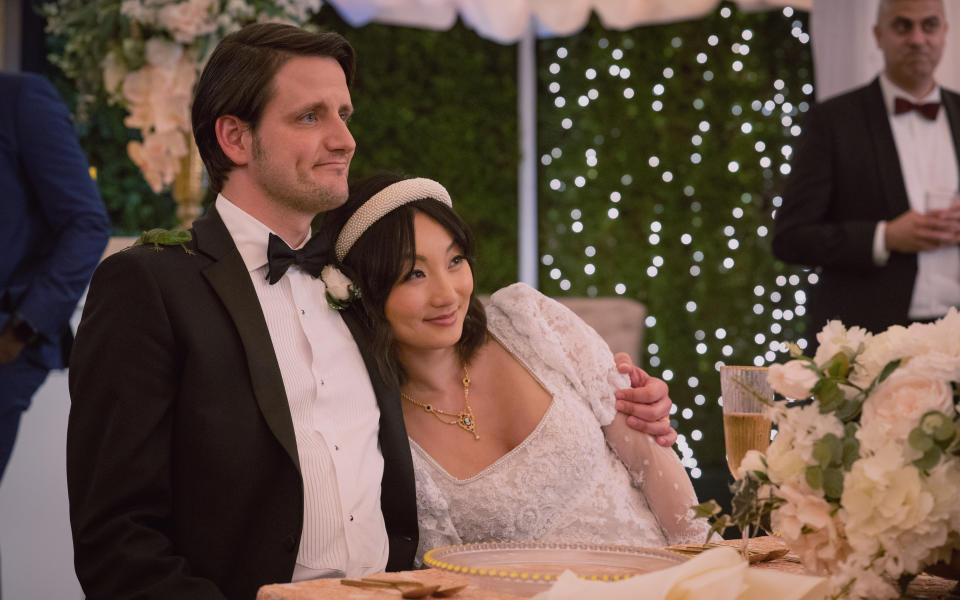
x: 527, y: 568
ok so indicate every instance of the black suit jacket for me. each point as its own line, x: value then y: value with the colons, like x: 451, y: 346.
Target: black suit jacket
x: 846, y: 178
x: 182, y: 464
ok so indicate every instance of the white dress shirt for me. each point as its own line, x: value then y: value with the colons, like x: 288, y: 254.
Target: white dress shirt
x: 334, y: 410
x: 928, y: 162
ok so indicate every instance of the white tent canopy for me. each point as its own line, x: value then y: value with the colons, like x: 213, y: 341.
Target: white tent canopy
x: 507, y: 21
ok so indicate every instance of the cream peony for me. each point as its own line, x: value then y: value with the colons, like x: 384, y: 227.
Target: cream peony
x: 881, y: 496
x: 896, y: 405
x: 794, y: 379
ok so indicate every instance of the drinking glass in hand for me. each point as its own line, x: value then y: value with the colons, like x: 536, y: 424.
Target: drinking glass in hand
x: 745, y: 392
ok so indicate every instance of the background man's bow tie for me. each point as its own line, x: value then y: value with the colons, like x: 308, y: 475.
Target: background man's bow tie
x: 311, y: 258
x: 929, y: 110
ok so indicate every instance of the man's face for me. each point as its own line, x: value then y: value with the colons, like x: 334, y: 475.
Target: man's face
x: 302, y: 147
x: 911, y: 34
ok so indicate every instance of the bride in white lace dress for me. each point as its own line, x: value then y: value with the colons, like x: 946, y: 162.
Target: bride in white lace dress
x: 510, y: 413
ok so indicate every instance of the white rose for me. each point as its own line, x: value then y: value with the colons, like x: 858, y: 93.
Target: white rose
x: 807, y: 425
x: 752, y: 461
x: 338, y: 284
x: 784, y: 465
x: 836, y: 338
x: 896, y: 405
x: 794, y: 379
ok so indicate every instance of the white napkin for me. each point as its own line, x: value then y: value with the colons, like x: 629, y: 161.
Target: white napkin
x: 718, y: 574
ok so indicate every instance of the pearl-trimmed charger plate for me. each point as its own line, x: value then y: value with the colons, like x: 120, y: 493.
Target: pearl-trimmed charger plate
x: 527, y: 568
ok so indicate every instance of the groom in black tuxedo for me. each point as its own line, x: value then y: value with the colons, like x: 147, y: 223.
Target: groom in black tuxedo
x: 872, y: 197
x: 225, y: 431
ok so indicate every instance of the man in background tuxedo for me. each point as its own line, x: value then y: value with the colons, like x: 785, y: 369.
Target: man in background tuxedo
x: 54, y: 229
x: 872, y: 197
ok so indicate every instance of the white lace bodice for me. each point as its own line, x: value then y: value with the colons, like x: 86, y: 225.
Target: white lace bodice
x: 564, y: 482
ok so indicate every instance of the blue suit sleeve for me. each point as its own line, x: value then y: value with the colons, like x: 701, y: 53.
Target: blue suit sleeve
x: 57, y: 170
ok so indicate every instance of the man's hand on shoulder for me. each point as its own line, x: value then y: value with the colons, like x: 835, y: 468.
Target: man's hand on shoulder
x: 646, y: 403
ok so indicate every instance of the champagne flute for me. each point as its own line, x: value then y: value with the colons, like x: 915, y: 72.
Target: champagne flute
x: 745, y: 392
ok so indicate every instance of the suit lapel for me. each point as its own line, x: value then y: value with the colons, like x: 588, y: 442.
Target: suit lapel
x: 891, y: 177
x: 228, y: 276
x: 951, y: 104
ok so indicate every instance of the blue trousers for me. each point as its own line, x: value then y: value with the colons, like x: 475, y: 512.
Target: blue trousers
x: 19, y: 380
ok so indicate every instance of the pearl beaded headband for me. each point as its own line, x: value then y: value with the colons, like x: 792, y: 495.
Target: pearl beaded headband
x: 384, y: 201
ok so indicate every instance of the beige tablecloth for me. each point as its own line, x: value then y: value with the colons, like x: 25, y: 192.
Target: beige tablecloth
x: 924, y: 587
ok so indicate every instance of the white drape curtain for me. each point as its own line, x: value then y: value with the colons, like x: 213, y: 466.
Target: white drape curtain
x: 845, y: 54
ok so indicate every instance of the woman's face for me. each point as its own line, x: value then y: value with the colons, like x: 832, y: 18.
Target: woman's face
x: 426, y: 308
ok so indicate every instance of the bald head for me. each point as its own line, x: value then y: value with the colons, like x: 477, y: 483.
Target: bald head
x: 884, y: 5
x: 911, y: 34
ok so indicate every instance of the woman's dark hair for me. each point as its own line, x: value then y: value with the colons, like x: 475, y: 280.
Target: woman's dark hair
x: 238, y: 81
x: 386, y: 252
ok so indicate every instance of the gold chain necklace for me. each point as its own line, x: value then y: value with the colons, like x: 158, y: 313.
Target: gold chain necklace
x: 464, y: 419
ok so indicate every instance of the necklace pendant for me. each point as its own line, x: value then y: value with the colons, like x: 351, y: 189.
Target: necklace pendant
x: 466, y: 422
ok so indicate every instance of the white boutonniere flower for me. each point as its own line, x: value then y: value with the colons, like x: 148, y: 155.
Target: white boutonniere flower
x: 340, y: 290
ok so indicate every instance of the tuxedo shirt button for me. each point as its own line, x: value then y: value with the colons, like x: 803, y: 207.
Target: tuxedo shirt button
x: 290, y: 543
x: 350, y: 517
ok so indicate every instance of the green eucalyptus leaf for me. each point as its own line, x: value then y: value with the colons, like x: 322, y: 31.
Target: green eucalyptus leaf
x: 919, y: 440
x: 828, y: 450
x: 849, y: 409
x: 929, y: 459
x: 830, y: 396
x: 833, y: 483
x: 889, y: 368
x: 814, y: 477
x: 851, y: 452
x: 838, y: 365
x: 706, y: 509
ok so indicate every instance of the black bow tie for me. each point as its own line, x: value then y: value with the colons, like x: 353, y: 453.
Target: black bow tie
x: 929, y: 110
x: 311, y: 258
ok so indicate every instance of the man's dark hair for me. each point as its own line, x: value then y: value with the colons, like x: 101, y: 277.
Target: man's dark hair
x: 386, y: 253
x: 238, y: 81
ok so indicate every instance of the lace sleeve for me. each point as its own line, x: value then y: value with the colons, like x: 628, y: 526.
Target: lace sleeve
x: 562, y: 340
x: 555, y: 335
x: 433, y: 515
x: 658, y: 472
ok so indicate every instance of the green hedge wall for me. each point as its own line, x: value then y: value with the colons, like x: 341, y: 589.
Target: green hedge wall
x: 641, y: 195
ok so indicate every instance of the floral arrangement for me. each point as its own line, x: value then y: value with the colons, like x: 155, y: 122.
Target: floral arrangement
x: 863, y: 477
x: 146, y: 55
